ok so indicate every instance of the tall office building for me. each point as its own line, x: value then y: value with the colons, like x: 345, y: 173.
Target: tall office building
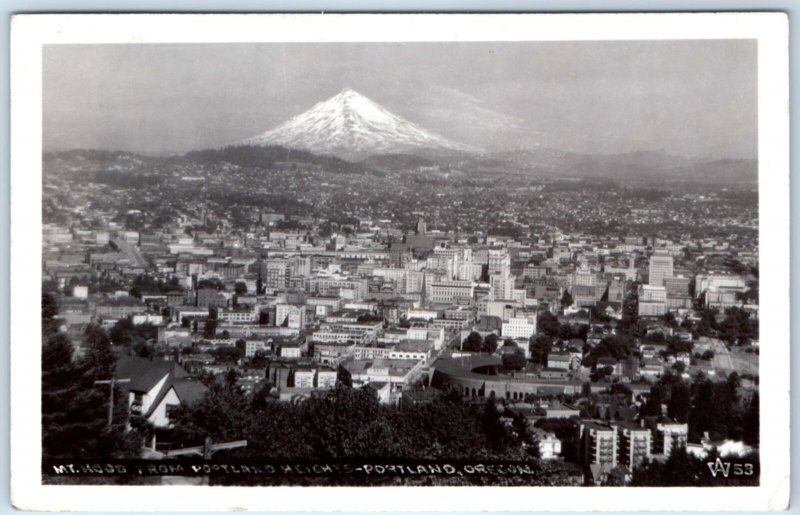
x: 499, y: 263
x: 502, y: 287
x: 660, y: 267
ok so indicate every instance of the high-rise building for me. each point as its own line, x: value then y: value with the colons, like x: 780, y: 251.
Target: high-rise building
x: 668, y: 435
x: 502, y: 287
x: 598, y: 444
x: 635, y: 444
x: 660, y: 267
x: 420, y: 228
x: 499, y: 262
x: 652, y: 300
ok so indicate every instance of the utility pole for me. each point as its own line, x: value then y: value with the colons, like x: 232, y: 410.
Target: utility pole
x: 111, y: 383
x: 207, y: 449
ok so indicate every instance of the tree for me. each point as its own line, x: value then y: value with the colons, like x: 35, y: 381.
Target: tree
x: 241, y: 345
x: 548, y: 324
x: 508, y: 342
x: 680, y: 403
x: 347, y: 422
x: 218, y: 415
x: 586, y: 389
x: 621, y: 388
x: 212, y: 283
x: 669, y: 319
x: 49, y: 311
x: 601, y: 372
x: 616, y: 477
x: 490, y: 343
x: 259, y: 359
x: 703, y: 407
x: 566, y: 299
x: 231, y: 378
x: 227, y: 354
x: 514, y: 360
x: 210, y: 329
x: 496, y: 434
x: 240, y: 288
x: 98, y: 360
x: 64, y: 430
x: 123, y: 333
x: 657, y: 397
x: 75, y: 409
x: 540, y: 346
x: 684, y: 469
x: 751, y: 421
x: 473, y: 342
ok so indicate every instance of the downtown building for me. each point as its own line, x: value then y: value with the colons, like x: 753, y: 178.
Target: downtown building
x: 661, y: 267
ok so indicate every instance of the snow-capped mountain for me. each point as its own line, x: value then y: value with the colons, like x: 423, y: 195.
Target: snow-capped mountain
x: 351, y: 126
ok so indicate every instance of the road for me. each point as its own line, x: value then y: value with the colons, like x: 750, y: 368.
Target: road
x: 722, y: 356
x: 130, y: 251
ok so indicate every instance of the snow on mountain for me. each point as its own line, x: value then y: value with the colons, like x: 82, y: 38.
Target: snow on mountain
x: 351, y: 126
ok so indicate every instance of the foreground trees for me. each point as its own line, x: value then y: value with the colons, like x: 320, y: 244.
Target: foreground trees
x: 74, y: 408
x: 348, y: 423
x: 344, y: 423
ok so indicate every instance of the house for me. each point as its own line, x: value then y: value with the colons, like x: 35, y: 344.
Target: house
x: 549, y: 445
x: 560, y: 360
x: 648, y: 352
x: 382, y: 390
x: 156, y: 387
x: 612, y: 363
x: 290, y: 351
x: 651, y: 368
x: 559, y: 410
x: 553, y: 373
x: 683, y: 357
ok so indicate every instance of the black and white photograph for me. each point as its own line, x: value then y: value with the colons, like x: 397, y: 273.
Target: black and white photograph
x: 474, y: 259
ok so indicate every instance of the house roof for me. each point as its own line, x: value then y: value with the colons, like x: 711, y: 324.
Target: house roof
x: 189, y: 390
x: 145, y: 373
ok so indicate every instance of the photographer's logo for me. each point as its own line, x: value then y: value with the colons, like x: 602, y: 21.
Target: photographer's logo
x: 724, y: 468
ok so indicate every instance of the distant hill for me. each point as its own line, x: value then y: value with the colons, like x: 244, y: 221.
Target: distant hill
x: 397, y: 162
x: 648, y: 166
x: 266, y: 156
x: 643, y: 165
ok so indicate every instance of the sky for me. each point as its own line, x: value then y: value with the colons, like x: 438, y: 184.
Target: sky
x: 695, y: 99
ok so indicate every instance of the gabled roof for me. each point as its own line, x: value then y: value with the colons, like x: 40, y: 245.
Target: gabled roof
x: 189, y: 390
x: 145, y: 373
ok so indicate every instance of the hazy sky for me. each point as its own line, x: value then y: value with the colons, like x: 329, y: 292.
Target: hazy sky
x: 688, y: 98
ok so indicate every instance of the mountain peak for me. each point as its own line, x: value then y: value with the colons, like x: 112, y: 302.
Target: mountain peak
x: 351, y: 126
x: 348, y: 92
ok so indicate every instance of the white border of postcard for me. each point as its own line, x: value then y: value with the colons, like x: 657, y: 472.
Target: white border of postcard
x: 30, y: 32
